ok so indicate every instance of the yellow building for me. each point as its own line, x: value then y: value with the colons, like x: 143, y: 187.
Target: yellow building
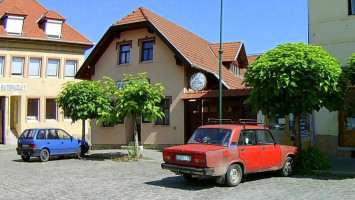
x: 146, y: 42
x: 332, y: 25
x: 39, y: 52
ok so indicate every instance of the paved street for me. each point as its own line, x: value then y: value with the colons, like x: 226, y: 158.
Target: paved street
x: 106, y: 179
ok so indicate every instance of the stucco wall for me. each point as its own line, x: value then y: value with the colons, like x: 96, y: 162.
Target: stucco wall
x: 161, y: 70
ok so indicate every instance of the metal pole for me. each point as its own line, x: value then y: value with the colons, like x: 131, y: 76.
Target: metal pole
x: 220, y: 65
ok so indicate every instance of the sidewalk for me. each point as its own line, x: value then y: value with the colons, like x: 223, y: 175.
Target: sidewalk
x: 341, y: 166
x: 4, y: 147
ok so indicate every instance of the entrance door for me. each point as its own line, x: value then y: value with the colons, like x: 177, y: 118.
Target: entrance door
x: 347, y: 120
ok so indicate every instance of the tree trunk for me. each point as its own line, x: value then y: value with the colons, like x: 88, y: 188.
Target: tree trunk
x: 83, y: 131
x: 135, y: 134
x: 297, y: 133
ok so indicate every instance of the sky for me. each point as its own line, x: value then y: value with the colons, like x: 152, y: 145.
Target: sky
x: 260, y: 24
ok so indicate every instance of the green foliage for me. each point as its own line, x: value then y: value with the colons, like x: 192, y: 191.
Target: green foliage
x: 311, y: 159
x: 295, y: 78
x: 137, y: 97
x: 82, y: 100
x: 350, y: 69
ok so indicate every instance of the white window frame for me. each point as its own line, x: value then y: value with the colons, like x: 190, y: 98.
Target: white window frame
x: 57, y: 68
x: 2, y: 63
x: 14, y: 25
x: 67, y: 66
x: 54, y: 29
x: 12, y: 66
x: 39, y: 67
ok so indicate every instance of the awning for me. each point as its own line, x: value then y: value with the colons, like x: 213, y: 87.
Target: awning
x: 215, y: 93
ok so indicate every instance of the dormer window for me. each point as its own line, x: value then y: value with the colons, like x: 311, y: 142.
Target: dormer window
x: 14, y: 25
x: 54, y: 29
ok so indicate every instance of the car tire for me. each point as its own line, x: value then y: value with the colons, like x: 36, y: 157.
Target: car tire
x: 25, y: 158
x: 44, y: 155
x: 287, y: 168
x: 234, y: 175
x: 189, y: 178
x: 80, y: 153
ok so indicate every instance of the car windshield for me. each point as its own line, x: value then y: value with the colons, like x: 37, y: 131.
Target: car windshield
x: 215, y: 136
x: 28, y: 134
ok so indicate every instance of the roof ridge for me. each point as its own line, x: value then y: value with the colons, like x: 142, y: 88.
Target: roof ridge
x: 15, y: 7
x: 142, y: 9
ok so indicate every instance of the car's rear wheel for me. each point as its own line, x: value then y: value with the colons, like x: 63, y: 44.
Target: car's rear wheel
x: 80, y: 153
x: 25, y: 158
x: 189, y: 178
x: 44, y: 155
x: 234, y: 175
x: 288, y: 167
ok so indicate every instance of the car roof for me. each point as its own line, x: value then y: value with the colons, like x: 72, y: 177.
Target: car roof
x: 233, y: 126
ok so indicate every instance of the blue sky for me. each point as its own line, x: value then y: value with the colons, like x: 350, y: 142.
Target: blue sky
x: 260, y: 24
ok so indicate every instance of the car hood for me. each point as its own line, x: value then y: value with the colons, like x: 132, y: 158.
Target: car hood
x: 194, y: 148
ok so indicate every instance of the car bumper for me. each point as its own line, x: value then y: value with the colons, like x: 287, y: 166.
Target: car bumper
x: 27, y: 151
x: 188, y: 170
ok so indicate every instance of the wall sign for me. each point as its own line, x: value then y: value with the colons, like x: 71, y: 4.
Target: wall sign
x: 198, y: 81
x: 12, y: 87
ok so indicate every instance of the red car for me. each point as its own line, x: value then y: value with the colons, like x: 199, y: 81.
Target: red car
x: 228, y: 152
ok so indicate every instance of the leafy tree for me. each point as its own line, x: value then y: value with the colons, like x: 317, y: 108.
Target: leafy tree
x: 350, y: 69
x: 136, y: 98
x: 295, y: 78
x: 83, y: 100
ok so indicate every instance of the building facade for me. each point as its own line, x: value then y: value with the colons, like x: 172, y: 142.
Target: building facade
x: 39, y: 52
x: 332, y: 25
x: 186, y: 65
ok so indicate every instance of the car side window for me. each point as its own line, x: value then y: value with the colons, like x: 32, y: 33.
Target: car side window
x: 52, y: 135
x: 41, y: 135
x: 247, y: 137
x: 264, y: 137
x: 63, y: 135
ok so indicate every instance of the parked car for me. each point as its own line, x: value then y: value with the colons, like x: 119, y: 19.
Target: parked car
x: 228, y: 152
x: 46, y: 142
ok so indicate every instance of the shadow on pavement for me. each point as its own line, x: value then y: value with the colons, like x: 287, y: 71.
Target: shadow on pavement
x: 105, y: 156
x: 178, y: 182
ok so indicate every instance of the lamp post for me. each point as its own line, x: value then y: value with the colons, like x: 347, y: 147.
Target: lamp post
x: 220, y: 65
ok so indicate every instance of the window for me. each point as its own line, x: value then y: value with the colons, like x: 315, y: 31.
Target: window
x: 52, y: 135
x: 14, y: 25
x: 70, y: 68
x: 264, y: 137
x: 63, y: 135
x: 67, y: 117
x: 54, y: 29
x: 2, y: 60
x: 51, y: 109
x: 247, y: 137
x: 351, y: 7
x: 147, y: 51
x: 165, y: 105
x: 124, y: 54
x: 52, y: 68
x: 17, y: 66
x: 34, y: 68
x: 33, y: 109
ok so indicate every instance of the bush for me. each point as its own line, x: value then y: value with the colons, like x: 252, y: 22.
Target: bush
x: 311, y: 159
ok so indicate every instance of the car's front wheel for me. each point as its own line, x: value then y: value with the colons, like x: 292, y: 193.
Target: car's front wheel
x: 25, y: 158
x: 44, y: 155
x: 288, y: 167
x: 80, y: 153
x: 234, y: 175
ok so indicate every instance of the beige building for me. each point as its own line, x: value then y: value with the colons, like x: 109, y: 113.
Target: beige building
x: 39, y: 52
x: 146, y: 42
x: 332, y: 25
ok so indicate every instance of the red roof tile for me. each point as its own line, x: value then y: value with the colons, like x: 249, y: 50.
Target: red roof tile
x: 252, y: 58
x: 196, y: 49
x: 31, y: 28
x: 230, y: 50
x: 15, y: 11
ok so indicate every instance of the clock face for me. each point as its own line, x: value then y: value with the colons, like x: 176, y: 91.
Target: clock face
x: 198, y: 81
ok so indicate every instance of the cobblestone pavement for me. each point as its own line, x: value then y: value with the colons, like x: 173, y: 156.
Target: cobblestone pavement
x: 89, y: 178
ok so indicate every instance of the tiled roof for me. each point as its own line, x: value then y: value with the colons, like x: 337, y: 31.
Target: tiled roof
x: 215, y: 93
x: 252, y: 58
x: 15, y: 11
x: 230, y: 50
x: 194, y: 48
x: 52, y: 15
x: 31, y: 29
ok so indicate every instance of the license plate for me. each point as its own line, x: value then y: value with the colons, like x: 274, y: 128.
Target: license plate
x: 25, y: 145
x: 183, y: 158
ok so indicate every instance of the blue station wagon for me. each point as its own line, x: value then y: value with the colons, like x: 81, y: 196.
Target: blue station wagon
x: 46, y: 142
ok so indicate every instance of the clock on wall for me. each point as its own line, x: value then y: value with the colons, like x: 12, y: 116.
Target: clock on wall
x: 198, y: 81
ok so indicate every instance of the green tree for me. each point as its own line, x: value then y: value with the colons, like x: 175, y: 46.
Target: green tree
x: 136, y: 98
x: 295, y: 78
x: 83, y: 100
x: 350, y: 69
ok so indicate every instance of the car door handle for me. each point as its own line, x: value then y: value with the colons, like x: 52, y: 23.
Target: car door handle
x: 263, y: 148
x: 242, y: 150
